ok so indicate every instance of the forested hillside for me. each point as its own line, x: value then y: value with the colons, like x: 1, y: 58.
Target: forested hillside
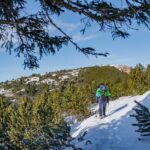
x: 32, y: 85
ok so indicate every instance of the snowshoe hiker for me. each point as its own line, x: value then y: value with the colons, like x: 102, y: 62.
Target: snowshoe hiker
x: 102, y: 103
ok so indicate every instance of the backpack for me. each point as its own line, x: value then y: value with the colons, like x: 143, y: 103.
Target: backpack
x: 104, y: 96
x: 98, y: 92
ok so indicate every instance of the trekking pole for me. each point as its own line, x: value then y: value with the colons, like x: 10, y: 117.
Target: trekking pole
x: 96, y: 112
x: 108, y: 108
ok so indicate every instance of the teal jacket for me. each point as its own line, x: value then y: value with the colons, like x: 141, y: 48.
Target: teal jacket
x: 98, y: 92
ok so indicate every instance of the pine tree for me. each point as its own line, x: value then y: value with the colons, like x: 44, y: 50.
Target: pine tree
x: 143, y: 119
x: 76, y: 100
x: 5, y: 141
x: 148, y: 75
x: 20, y: 128
x: 137, y: 79
x: 51, y: 130
x: 68, y: 99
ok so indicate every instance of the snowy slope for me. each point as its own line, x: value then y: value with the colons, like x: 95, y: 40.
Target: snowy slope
x: 114, y: 132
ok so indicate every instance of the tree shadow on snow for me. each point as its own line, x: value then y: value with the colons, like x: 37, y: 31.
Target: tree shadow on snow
x: 118, y: 109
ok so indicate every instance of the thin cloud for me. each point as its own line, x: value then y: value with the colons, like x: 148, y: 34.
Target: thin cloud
x: 82, y: 38
x: 67, y: 27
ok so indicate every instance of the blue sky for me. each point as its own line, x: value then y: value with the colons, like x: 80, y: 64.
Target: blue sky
x: 130, y: 51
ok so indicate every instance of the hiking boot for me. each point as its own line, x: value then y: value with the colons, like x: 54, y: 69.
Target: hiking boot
x: 101, y: 117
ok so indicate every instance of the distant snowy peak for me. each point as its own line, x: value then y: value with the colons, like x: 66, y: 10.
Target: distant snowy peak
x: 123, y: 68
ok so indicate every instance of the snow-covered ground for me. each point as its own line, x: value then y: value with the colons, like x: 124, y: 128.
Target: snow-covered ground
x: 48, y: 81
x: 7, y: 93
x: 115, y: 131
x: 32, y: 79
x: 75, y: 72
x: 64, y: 77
